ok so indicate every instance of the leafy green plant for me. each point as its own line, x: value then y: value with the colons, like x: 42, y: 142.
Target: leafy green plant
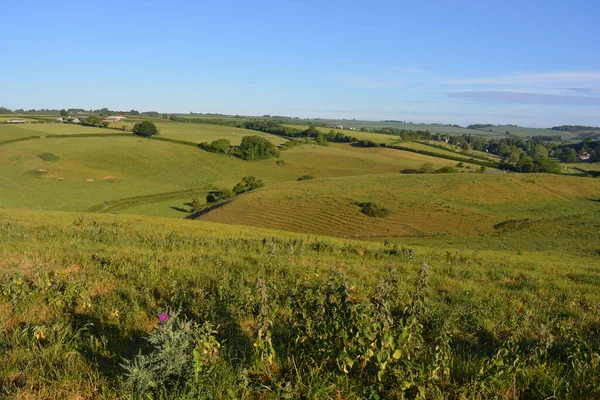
x: 373, y: 210
x: 247, y: 184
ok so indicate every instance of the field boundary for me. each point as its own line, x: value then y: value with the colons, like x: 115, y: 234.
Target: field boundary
x: 23, y: 139
x: 468, y: 159
x: 80, y: 135
x: 466, y: 154
x: 120, y: 204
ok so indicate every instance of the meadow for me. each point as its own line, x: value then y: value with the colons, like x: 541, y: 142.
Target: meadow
x: 106, y: 306
x: 375, y: 137
x: 207, y: 133
x: 360, y: 282
x: 420, y: 205
x: 85, y: 171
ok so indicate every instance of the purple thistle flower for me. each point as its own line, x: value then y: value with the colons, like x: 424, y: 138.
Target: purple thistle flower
x: 163, y: 317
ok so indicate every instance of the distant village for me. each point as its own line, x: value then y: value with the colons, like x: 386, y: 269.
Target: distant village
x: 70, y: 120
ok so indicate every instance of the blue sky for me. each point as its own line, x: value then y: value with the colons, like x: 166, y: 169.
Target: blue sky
x: 533, y: 63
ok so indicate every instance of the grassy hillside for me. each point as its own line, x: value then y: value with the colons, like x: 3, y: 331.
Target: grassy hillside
x: 77, y: 173
x: 458, y: 148
x: 277, y: 315
x: 375, y: 137
x: 25, y: 130
x: 419, y: 204
x: 207, y: 133
x: 520, y: 131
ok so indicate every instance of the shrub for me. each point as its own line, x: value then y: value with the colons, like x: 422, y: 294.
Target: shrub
x: 446, y: 170
x: 373, y: 210
x: 218, y: 195
x: 255, y: 148
x: 427, y: 168
x: 182, y: 351
x: 49, y: 157
x: 366, y: 143
x: 247, y: 184
x: 91, y: 120
x: 221, y: 146
x: 195, y: 204
x: 410, y: 171
x: 305, y: 177
x: 145, y: 128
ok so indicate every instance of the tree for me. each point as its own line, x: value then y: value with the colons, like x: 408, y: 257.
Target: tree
x: 595, y: 155
x: 247, y: 184
x: 539, y: 151
x: 321, y: 139
x: 427, y: 168
x: 145, y: 128
x: 91, y: 120
x: 218, y: 195
x: 219, y: 146
x: 195, y: 204
x: 64, y: 113
x: 255, y: 148
x: 312, y: 131
x: 525, y: 164
x: 569, y: 156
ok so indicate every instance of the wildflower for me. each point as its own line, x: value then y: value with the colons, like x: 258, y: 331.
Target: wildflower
x: 39, y: 335
x: 163, y: 317
x: 115, y: 313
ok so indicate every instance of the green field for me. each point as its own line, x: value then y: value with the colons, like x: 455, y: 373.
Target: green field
x: 465, y: 286
x: 586, y: 166
x: 419, y: 204
x: 492, y: 314
x: 459, y: 149
x: 375, y: 137
x: 424, y: 147
x: 121, y: 167
x: 207, y: 133
x: 8, y: 132
x: 520, y: 131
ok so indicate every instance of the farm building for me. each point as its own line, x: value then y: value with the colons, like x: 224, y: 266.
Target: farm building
x: 114, y: 118
x: 583, y: 157
x: 76, y: 121
x: 16, y: 121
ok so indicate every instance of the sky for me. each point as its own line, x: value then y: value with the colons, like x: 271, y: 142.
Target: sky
x: 532, y: 63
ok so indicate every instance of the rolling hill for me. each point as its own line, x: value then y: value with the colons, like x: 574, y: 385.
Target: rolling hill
x: 419, y: 204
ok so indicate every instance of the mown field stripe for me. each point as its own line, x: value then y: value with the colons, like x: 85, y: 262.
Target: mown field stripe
x: 121, y: 204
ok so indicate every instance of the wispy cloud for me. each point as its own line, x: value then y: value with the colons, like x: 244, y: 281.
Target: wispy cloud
x: 544, y: 78
x: 501, y: 97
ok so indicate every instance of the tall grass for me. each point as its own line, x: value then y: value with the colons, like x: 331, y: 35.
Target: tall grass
x: 253, y: 315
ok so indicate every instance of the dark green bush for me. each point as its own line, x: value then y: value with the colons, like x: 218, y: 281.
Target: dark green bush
x: 218, y: 195
x: 49, y: 157
x: 446, y: 170
x: 373, y: 210
x: 255, y: 148
x: 305, y: 177
x: 247, y: 184
x: 221, y: 146
x: 145, y: 128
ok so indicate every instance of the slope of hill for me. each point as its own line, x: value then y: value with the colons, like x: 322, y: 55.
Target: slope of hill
x: 265, y: 314
x: 419, y: 204
x: 79, y: 172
